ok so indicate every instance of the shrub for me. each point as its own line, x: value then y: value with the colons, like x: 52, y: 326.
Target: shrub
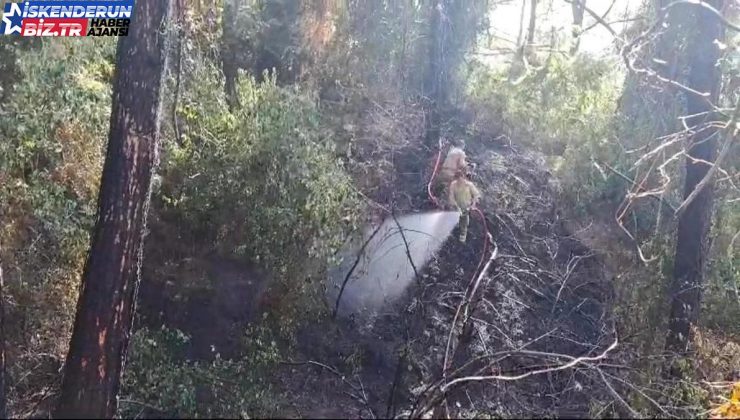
x: 564, y: 110
x: 263, y: 183
x: 53, y: 126
x: 159, y: 381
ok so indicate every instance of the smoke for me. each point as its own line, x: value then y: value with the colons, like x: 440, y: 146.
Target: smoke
x: 384, y: 272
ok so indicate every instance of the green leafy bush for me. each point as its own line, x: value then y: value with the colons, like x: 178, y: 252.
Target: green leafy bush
x: 53, y: 125
x: 564, y: 109
x: 721, y: 304
x: 263, y: 183
x: 160, y: 381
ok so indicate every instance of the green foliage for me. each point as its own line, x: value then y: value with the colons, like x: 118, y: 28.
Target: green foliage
x: 54, y: 129
x: 722, y: 297
x: 686, y: 391
x: 263, y: 183
x: 160, y: 381
x: 53, y: 126
x: 721, y: 304
x: 564, y: 109
x: 10, y: 49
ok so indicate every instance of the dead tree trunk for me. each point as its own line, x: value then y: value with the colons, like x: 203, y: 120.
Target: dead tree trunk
x: 110, y: 280
x: 693, y: 224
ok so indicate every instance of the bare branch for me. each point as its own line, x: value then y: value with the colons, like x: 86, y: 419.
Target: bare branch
x: 730, y: 137
x: 639, y: 391
x: 636, y: 44
x: 406, y: 244
x: 603, y: 17
x: 709, y: 7
x: 451, y: 345
x: 572, y: 363
x: 600, y: 20
x: 634, y: 184
x: 616, y: 395
x: 359, y: 390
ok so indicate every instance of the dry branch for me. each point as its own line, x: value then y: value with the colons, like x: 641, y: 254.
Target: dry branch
x: 576, y: 361
x: 731, y: 131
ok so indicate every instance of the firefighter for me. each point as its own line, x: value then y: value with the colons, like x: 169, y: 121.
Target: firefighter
x: 454, y: 161
x: 464, y: 196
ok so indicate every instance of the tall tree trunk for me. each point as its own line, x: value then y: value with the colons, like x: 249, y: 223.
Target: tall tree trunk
x: 578, y: 7
x: 3, y: 393
x: 180, y: 33
x: 433, y: 76
x: 229, y: 63
x: 520, y: 37
x: 693, y: 224
x: 532, y: 22
x: 110, y: 280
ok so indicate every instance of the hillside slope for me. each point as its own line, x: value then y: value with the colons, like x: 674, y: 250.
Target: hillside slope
x: 546, y: 292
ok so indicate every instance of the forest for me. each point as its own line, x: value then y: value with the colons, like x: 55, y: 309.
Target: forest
x: 374, y: 209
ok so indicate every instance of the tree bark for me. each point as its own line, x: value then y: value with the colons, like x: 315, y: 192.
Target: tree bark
x: 229, y: 63
x: 578, y: 8
x: 520, y: 36
x: 3, y: 393
x: 105, y: 309
x: 532, y: 23
x: 180, y: 33
x: 693, y: 224
x: 433, y: 76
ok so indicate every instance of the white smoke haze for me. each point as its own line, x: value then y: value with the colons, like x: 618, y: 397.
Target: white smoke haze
x: 384, y: 271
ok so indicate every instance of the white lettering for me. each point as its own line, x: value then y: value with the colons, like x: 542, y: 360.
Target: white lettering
x: 79, y: 11
x: 29, y: 29
x: 64, y: 11
x: 70, y: 29
x: 124, y: 11
x: 48, y: 29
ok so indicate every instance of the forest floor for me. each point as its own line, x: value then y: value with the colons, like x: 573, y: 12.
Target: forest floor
x: 548, y: 298
x: 547, y: 292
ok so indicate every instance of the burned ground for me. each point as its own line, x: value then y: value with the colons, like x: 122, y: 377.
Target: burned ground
x: 544, y: 302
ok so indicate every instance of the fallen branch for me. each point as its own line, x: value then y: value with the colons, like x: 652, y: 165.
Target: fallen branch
x: 576, y: 361
x: 469, y: 295
x: 569, y: 269
x: 618, y: 397
x: 643, y: 394
x: 359, y: 390
x: 436, y: 398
